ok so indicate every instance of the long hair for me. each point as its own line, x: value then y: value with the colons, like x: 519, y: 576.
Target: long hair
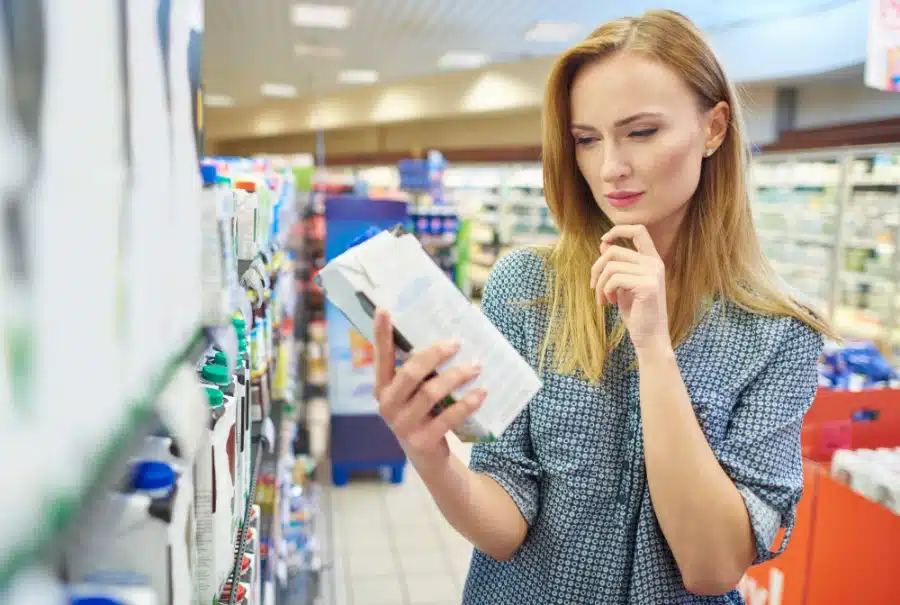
x: 718, y: 254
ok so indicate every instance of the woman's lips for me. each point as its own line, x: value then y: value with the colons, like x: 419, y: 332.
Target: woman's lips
x: 622, y: 200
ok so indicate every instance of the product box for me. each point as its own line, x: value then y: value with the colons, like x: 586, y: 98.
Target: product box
x: 393, y: 272
x: 214, y: 491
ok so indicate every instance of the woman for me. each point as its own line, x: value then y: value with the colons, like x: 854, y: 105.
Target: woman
x: 662, y: 454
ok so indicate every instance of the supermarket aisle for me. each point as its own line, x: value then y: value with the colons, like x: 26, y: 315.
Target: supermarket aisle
x: 394, y: 547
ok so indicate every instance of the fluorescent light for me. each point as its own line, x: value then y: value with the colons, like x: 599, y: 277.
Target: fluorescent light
x: 211, y: 100
x: 358, y: 76
x: 320, y: 15
x: 546, y: 31
x: 311, y: 50
x: 462, y: 60
x: 281, y: 91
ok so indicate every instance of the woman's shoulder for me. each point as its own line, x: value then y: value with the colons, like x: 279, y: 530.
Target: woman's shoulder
x: 769, y: 333
x: 520, y: 275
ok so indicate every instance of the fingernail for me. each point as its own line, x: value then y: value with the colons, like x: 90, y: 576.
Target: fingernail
x: 475, y: 368
x: 480, y: 395
x: 451, y: 346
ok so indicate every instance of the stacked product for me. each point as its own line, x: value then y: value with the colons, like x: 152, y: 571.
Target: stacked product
x: 431, y: 217
x: 191, y: 490
x: 855, y: 367
x: 872, y: 473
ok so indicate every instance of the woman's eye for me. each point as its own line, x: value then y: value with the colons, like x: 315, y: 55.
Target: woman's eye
x: 644, y: 133
x: 585, y: 140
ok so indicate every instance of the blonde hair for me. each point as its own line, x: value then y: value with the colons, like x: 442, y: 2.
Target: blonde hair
x: 721, y: 257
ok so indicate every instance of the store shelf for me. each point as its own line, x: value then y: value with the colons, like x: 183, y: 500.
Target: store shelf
x: 828, y: 221
x: 256, y: 442
x: 800, y: 238
x: 62, y: 512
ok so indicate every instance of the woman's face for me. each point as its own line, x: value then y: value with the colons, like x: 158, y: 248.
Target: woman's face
x: 640, y: 138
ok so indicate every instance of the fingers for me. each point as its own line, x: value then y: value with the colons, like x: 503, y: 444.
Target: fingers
x: 614, y: 253
x: 613, y: 268
x: 623, y: 281
x: 385, y: 356
x: 643, y: 243
x: 408, y: 378
x: 432, y: 393
x: 450, y: 418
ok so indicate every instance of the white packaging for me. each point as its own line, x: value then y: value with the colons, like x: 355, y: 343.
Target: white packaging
x: 240, y: 477
x: 213, y: 493
x: 71, y: 219
x: 144, y: 538
x: 148, y: 339
x: 216, y: 303
x: 229, y: 435
x: 184, y: 411
x: 184, y: 233
x: 124, y: 594
x: 245, y: 214
x: 256, y: 576
x: 393, y: 272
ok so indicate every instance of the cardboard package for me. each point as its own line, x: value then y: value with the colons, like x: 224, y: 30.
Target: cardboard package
x: 393, y: 272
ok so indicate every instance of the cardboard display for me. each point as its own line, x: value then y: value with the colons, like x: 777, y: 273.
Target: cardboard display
x: 845, y: 548
x: 851, y: 420
x: 782, y: 581
x: 855, y: 549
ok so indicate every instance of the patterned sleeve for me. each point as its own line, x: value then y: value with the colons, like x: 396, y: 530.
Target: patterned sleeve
x: 510, y: 461
x: 761, y: 449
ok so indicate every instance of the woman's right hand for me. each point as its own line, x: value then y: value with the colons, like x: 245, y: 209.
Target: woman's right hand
x: 406, y: 398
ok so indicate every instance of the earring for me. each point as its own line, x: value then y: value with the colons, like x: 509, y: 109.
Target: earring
x: 709, y: 152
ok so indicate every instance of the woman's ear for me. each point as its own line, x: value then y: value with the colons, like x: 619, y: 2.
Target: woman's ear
x: 717, y: 120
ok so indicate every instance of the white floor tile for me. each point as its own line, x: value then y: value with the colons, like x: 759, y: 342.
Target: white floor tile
x: 361, y: 564
x: 426, y: 562
x: 429, y: 589
x: 394, y: 545
x: 386, y: 590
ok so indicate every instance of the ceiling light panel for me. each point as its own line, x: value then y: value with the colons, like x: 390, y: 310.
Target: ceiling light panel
x: 358, y: 76
x: 279, y: 91
x: 320, y: 15
x: 462, y: 60
x: 213, y: 100
x: 547, y: 31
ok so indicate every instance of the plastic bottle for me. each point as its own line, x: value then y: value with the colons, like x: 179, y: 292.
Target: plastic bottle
x: 146, y: 536
x: 98, y: 594
x: 154, y: 478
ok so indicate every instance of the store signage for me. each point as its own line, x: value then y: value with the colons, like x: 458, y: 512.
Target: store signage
x: 883, y: 53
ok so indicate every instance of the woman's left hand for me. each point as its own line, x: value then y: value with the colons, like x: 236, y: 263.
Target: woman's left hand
x: 635, y: 280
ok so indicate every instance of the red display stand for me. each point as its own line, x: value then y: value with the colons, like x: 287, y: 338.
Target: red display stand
x: 845, y: 548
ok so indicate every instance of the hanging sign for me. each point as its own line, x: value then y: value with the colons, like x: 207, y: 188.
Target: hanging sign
x: 883, y: 54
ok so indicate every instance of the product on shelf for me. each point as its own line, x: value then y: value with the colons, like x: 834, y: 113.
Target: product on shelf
x: 111, y: 594
x: 856, y: 366
x: 393, y: 272
x: 874, y: 474
x: 145, y: 532
x: 213, y: 493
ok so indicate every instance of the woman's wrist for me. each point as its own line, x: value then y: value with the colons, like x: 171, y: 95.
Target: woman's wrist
x: 659, y: 350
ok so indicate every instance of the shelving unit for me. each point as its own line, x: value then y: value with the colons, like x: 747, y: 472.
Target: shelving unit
x: 829, y: 221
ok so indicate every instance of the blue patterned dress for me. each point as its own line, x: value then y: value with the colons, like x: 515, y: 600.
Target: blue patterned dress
x: 573, y: 461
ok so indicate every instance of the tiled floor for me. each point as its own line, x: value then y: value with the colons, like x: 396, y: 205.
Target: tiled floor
x: 393, y: 547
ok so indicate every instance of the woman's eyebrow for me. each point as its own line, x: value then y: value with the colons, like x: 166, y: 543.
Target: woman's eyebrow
x: 622, y: 122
